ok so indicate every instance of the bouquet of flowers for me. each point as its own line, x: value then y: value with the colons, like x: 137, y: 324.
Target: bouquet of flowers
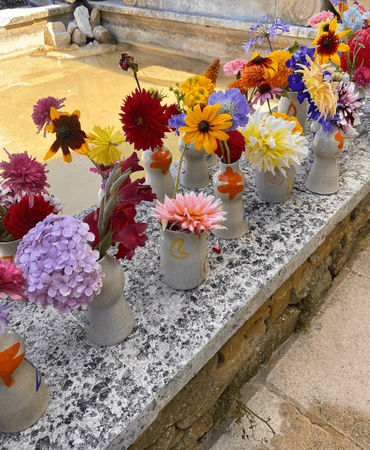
x: 24, y: 200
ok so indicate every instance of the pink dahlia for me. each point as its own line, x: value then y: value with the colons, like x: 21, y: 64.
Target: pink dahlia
x: 323, y: 16
x: 191, y: 212
x: 41, y: 111
x: 235, y: 67
x: 347, y: 107
x: 24, y: 175
x: 12, y: 281
x: 361, y: 77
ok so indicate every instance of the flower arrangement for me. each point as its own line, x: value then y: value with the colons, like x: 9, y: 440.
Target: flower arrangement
x: 191, y: 213
x: 58, y: 264
x: 270, y: 143
x: 24, y: 200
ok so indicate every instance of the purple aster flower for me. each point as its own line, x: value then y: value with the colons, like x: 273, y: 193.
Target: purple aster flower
x: 4, y: 315
x: 232, y: 102
x: 59, y: 265
x: 176, y: 122
x: 41, y: 111
x: 335, y: 2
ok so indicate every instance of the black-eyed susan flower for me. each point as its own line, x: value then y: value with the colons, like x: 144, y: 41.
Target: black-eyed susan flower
x: 205, y: 127
x: 328, y: 44
x: 68, y: 132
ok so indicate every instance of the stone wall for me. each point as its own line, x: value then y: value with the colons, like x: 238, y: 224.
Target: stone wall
x: 208, y: 397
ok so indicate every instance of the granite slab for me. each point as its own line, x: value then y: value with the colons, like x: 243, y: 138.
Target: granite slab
x: 104, y: 398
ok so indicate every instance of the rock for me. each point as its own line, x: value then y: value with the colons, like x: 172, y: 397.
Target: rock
x: 71, y: 27
x: 82, y: 18
x: 95, y: 18
x: 69, y: 1
x: 56, y: 36
x: 103, y: 36
x: 78, y: 37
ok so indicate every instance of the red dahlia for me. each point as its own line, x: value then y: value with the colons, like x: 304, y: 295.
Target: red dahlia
x: 20, y: 218
x: 145, y: 120
x: 236, y: 145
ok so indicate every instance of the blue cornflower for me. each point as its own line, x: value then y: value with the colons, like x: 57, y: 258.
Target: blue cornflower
x: 232, y: 102
x: 354, y: 19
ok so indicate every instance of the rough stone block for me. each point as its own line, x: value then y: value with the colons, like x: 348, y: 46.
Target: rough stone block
x: 164, y: 442
x: 78, y: 37
x: 274, y: 337
x: 185, y: 404
x: 341, y: 253
x: 94, y: 18
x: 71, y: 27
x: 299, y: 280
x: 359, y: 216
x: 297, y: 13
x: 279, y: 301
x: 102, y: 35
x: 56, y: 36
x: 197, y: 430
x: 81, y: 15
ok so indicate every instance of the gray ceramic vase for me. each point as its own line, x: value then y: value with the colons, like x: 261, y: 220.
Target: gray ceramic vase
x: 211, y: 159
x: 228, y: 185
x: 291, y: 106
x: 109, y: 319
x: 275, y: 188
x: 9, y: 249
x: 157, y: 164
x: 183, y: 259
x: 194, y: 171
x: 323, y: 178
x: 22, y: 388
x: 315, y: 127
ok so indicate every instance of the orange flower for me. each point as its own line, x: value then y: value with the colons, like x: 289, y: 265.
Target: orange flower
x: 252, y: 76
x: 280, y: 78
x: 328, y: 44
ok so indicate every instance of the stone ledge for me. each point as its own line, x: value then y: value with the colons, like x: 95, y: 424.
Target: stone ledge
x: 27, y: 14
x: 107, y: 397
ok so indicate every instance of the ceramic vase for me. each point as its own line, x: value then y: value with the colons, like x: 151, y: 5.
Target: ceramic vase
x: 9, y: 249
x: 109, y: 319
x: 157, y: 164
x: 291, y: 106
x: 24, y: 397
x: 228, y: 185
x: 323, y: 177
x: 211, y: 159
x: 275, y: 188
x: 361, y: 94
x: 183, y: 259
x: 194, y: 170
x: 315, y: 127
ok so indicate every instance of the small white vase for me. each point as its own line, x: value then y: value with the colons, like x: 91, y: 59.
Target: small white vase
x: 291, y: 106
x: 183, y: 259
x: 109, y: 319
x: 24, y: 397
x: 9, y: 249
x: 156, y: 164
x: 275, y: 188
x: 315, y: 127
x: 228, y: 185
x: 323, y: 177
x: 194, y: 170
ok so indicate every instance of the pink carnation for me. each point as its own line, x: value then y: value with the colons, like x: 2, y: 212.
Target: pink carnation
x: 191, y: 212
x: 322, y: 16
x: 232, y: 68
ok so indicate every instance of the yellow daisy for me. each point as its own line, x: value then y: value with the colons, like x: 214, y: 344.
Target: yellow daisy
x: 105, y: 141
x: 205, y: 127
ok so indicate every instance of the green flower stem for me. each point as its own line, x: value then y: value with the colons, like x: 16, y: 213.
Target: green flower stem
x: 268, y: 102
x: 269, y: 42
x: 228, y: 152
x: 137, y: 81
x: 222, y: 149
x: 178, y: 171
x: 97, y: 167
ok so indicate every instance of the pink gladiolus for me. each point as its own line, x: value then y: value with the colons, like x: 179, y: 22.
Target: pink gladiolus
x: 191, y: 212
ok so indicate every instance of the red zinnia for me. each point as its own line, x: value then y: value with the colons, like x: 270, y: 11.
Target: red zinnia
x: 20, y: 218
x: 236, y: 145
x: 145, y: 120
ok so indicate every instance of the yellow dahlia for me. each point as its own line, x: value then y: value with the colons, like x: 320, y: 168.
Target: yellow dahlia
x: 322, y: 92
x: 105, y: 141
x: 205, y: 127
x: 270, y: 143
x: 196, y: 90
x: 297, y: 128
x: 328, y: 44
x: 280, y: 77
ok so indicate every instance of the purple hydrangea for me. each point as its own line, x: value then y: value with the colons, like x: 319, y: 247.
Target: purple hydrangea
x: 60, y: 267
x: 232, y: 102
x: 176, y: 122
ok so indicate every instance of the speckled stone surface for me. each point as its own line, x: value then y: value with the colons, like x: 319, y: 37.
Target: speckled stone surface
x: 104, y: 398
